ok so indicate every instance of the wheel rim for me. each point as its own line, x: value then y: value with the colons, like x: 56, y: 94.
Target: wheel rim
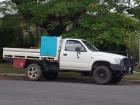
x: 33, y: 72
x: 101, y: 75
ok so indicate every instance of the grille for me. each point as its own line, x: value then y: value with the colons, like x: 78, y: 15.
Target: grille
x: 126, y: 61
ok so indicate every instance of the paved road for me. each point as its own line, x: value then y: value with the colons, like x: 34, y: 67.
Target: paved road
x: 22, y: 92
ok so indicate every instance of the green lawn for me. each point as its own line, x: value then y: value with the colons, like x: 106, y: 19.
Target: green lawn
x: 135, y: 76
x: 6, y: 68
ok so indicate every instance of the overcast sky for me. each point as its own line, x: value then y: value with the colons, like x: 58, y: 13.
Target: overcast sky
x: 1, y: 0
x: 4, y: 0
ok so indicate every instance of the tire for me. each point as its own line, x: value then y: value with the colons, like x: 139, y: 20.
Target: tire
x: 34, y: 72
x: 102, y: 75
x: 49, y: 75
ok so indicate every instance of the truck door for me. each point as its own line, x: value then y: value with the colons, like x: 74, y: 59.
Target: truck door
x: 72, y: 60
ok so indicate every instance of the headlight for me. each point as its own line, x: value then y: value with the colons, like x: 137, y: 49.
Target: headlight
x: 118, y: 60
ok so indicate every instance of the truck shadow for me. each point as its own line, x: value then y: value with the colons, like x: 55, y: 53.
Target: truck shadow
x: 91, y: 81
x: 79, y: 80
x: 74, y: 80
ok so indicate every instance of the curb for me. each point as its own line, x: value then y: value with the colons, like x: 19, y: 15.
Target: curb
x: 12, y: 76
x: 132, y: 81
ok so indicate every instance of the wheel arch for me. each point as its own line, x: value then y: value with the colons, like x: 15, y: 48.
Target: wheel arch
x: 38, y: 62
x: 100, y: 63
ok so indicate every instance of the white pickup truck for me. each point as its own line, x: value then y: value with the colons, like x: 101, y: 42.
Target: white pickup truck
x: 69, y: 55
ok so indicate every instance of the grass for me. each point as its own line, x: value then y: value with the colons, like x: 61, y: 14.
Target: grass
x: 6, y: 68
x: 135, y: 76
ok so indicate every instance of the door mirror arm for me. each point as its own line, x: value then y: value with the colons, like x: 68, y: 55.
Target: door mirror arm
x: 78, y: 50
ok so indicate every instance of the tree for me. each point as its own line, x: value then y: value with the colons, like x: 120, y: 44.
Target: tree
x: 10, y: 33
x: 7, y: 7
x: 104, y: 22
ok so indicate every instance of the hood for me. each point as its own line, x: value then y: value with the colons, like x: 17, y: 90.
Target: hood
x: 110, y: 55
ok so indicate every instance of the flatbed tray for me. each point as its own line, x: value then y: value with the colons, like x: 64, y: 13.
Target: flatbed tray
x: 24, y: 53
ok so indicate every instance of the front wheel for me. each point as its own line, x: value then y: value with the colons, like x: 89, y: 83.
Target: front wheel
x: 102, y: 75
x: 34, y: 72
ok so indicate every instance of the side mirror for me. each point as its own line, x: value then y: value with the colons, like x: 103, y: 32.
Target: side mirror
x: 78, y: 49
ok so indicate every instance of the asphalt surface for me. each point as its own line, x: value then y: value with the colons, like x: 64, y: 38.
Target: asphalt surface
x: 23, y: 92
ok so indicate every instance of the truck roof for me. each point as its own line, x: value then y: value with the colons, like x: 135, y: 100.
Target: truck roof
x: 72, y: 39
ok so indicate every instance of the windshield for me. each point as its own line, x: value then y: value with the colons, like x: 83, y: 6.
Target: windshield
x: 90, y: 46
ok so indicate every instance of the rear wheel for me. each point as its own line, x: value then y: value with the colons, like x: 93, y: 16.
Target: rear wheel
x: 102, y: 75
x: 50, y: 75
x: 34, y: 72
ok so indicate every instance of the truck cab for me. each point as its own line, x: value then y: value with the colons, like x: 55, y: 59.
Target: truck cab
x: 78, y: 54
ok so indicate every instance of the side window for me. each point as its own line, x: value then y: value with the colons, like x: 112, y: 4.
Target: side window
x: 72, y: 44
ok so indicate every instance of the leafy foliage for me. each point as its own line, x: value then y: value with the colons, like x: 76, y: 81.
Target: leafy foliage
x: 10, y: 32
x: 103, y: 22
x: 7, y: 7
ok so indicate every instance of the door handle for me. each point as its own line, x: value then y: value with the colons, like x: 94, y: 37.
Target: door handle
x: 64, y: 54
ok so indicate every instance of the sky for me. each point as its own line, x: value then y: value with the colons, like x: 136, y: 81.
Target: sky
x: 2, y: 0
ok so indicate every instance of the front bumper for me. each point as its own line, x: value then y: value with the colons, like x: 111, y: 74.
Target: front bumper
x: 124, y: 69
